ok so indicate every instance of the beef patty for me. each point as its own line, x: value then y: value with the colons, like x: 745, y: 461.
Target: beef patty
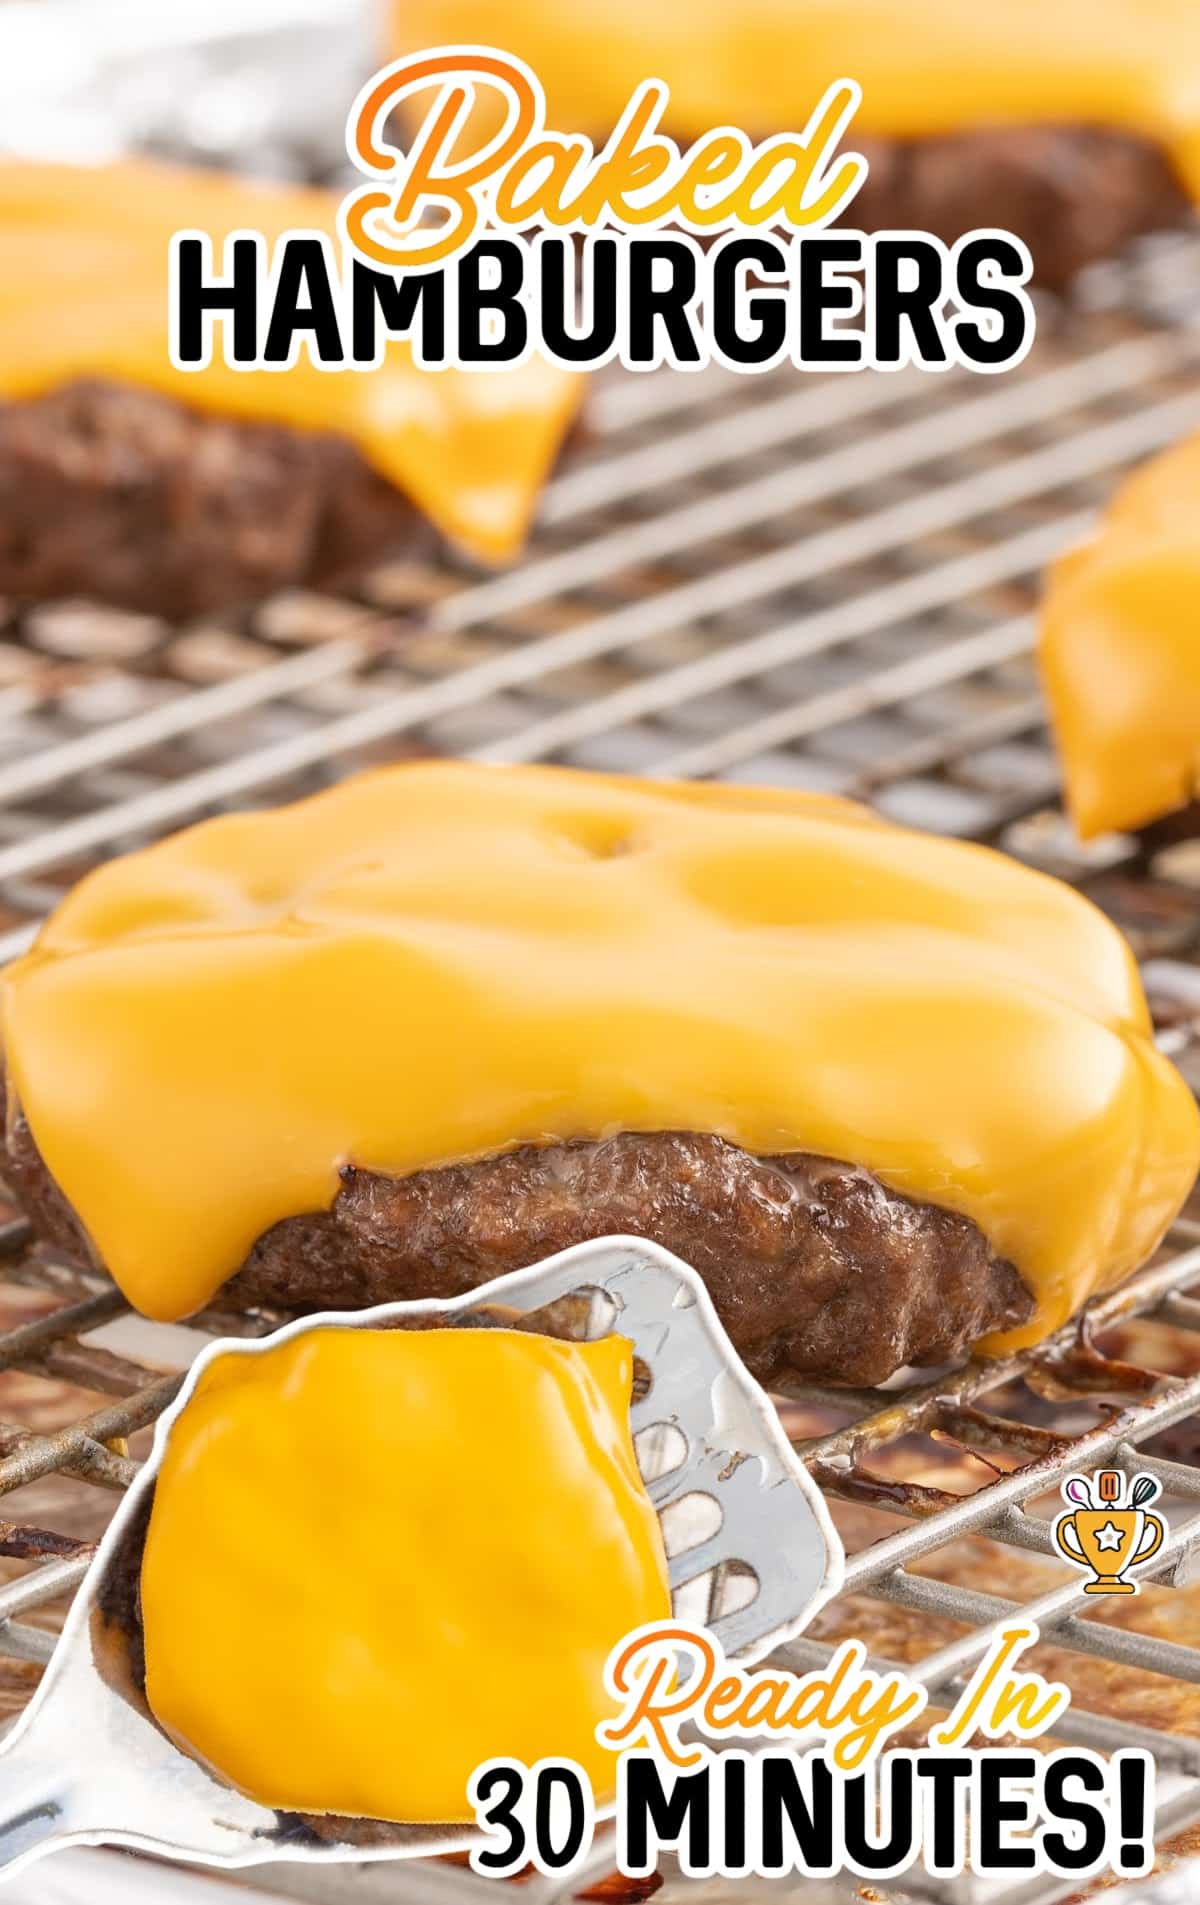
x: 1073, y: 193
x: 132, y: 498
x: 815, y: 1268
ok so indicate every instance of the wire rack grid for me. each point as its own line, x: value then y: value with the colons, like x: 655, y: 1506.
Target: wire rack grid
x: 823, y: 583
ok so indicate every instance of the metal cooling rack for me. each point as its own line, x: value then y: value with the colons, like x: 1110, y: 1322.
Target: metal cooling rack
x: 821, y: 583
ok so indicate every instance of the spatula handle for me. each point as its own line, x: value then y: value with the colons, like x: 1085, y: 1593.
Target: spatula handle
x: 37, y: 1802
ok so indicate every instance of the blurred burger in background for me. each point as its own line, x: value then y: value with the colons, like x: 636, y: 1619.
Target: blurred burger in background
x: 1074, y: 123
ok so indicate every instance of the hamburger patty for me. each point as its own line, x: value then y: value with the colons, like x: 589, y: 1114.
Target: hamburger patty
x: 121, y: 1632
x: 815, y: 1268
x: 1073, y: 193
x: 132, y: 498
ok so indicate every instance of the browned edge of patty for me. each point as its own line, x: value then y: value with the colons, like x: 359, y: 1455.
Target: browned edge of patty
x: 132, y: 498
x: 1074, y: 194
x: 815, y: 1268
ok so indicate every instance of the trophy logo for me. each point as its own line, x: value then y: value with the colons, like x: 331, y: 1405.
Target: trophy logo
x: 1109, y: 1528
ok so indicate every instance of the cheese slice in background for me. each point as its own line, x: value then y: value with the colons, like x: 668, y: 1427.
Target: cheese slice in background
x: 83, y: 293
x: 1120, y: 652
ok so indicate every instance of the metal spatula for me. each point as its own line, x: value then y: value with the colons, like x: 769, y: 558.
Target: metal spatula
x: 87, y: 1764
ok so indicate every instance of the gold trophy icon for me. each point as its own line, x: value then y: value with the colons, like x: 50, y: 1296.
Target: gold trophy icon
x: 1109, y: 1531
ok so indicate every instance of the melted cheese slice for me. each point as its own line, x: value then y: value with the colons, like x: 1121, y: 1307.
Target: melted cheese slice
x: 1120, y: 652
x: 926, y: 66
x: 83, y: 293
x: 377, y: 1558
x: 440, y: 961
